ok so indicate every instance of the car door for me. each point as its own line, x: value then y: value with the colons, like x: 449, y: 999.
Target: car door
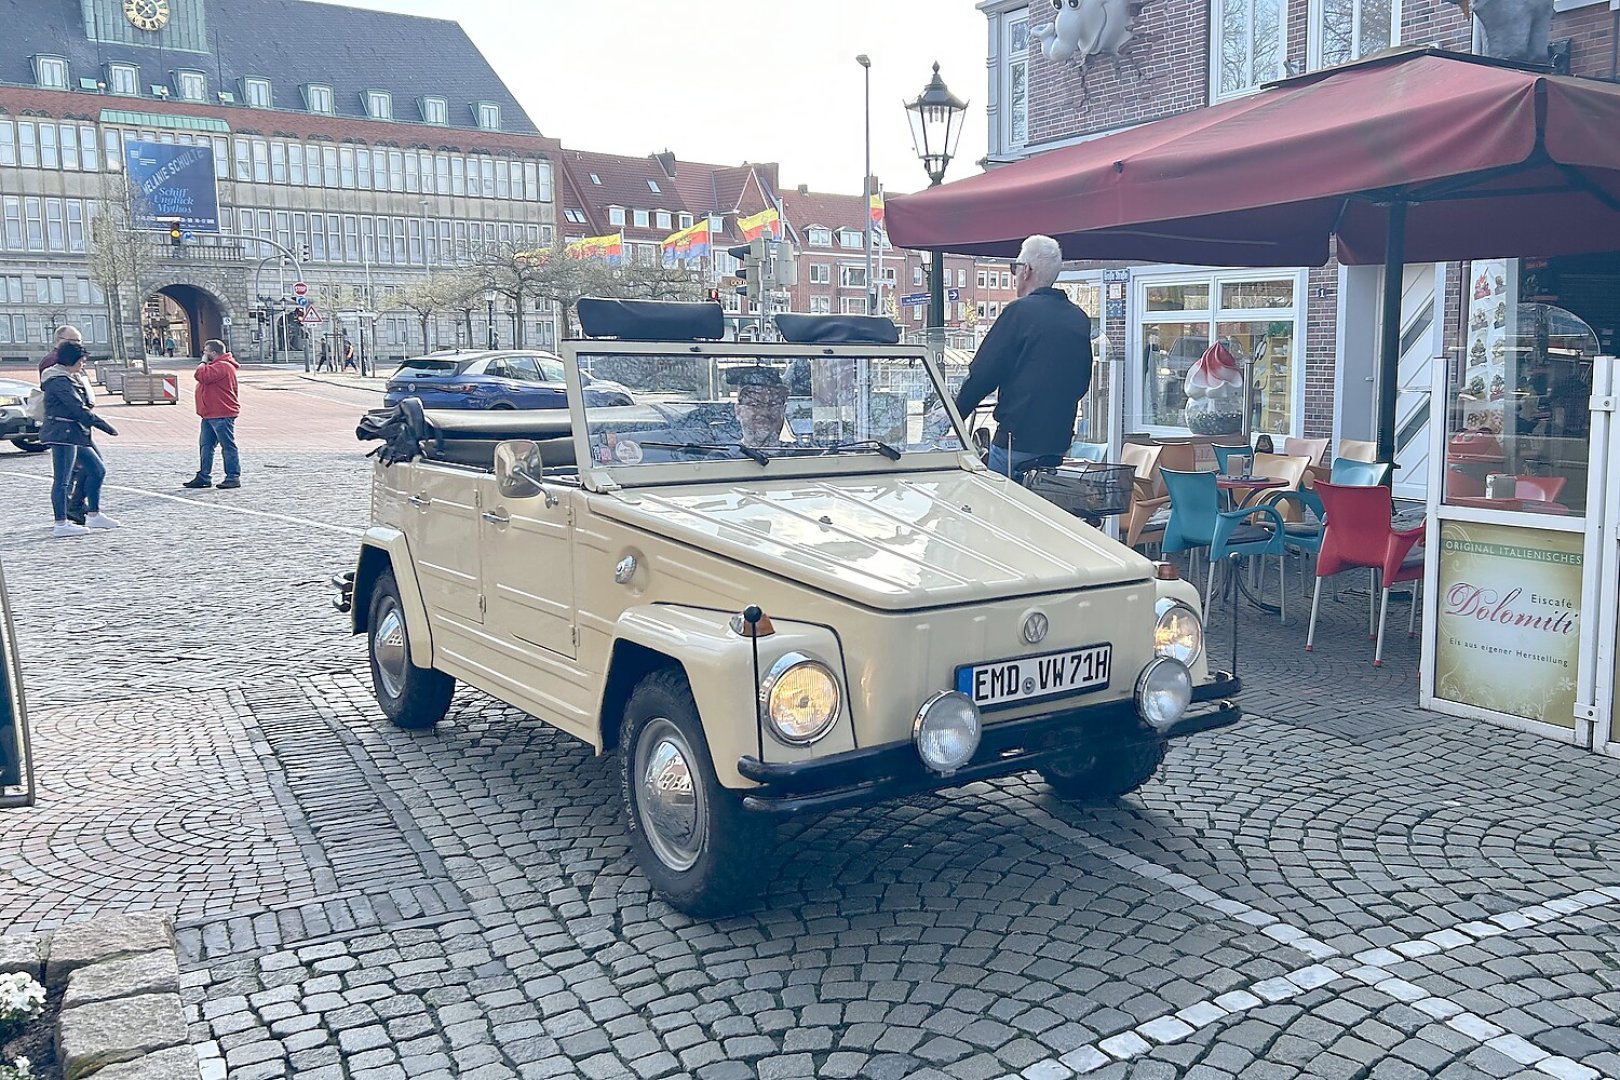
x: 443, y: 504
x: 528, y: 568
x: 534, y: 389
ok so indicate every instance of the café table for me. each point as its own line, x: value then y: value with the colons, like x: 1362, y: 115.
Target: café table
x: 1249, y: 485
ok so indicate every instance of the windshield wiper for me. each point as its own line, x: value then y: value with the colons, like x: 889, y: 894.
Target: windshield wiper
x: 750, y: 452
x: 879, y: 445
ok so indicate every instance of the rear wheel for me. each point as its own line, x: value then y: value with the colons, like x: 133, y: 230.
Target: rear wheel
x: 1108, y: 774
x: 29, y: 444
x: 503, y: 405
x: 412, y: 697
x: 692, y: 838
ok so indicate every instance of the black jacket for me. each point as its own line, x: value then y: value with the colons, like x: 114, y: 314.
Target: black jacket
x: 68, y: 416
x: 1037, y: 357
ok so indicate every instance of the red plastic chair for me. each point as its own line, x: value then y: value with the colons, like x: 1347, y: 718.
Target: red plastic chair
x: 1358, y: 536
x: 1539, y: 488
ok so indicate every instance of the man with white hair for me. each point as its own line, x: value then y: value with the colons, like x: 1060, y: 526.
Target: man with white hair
x: 1037, y: 358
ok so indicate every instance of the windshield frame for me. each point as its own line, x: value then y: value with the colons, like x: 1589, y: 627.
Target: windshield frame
x: 598, y: 477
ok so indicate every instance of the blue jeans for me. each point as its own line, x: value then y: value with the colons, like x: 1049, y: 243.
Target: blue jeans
x: 220, y: 433
x: 1006, y: 462
x: 64, y: 459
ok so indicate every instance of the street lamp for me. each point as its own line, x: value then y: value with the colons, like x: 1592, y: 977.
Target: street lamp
x: 936, y: 127
x: 489, y: 300
x: 866, y: 185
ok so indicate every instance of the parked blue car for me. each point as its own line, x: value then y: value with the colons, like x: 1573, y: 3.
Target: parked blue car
x: 502, y: 379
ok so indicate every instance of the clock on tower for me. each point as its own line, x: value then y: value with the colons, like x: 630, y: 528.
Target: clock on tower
x: 150, y: 15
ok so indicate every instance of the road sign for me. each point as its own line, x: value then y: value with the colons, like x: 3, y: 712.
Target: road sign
x: 311, y: 316
x: 916, y: 299
x: 953, y: 295
x: 187, y: 236
x: 301, y: 300
x: 300, y: 289
x: 226, y: 322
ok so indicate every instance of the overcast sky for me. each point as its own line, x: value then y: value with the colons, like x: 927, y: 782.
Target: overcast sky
x: 725, y: 82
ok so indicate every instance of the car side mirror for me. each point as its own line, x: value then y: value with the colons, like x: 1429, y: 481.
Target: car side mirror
x: 16, y: 765
x: 520, y: 471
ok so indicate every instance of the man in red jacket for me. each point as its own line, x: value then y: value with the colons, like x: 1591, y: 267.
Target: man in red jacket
x: 219, y: 408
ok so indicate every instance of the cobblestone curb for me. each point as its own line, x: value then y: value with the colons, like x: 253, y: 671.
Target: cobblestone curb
x: 121, y: 1016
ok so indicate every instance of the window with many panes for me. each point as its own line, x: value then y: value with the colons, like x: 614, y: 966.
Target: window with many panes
x: 1346, y: 30
x: 851, y: 238
x: 124, y: 79
x: 852, y: 277
x: 1257, y: 318
x: 51, y: 72
x: 1015, y: 82
x: 435, y: 110
x: 1249, y: 40
x: 819, y: 237
x: 685, y: 221
x: 820, y: 274
x: 190, y: 85
x: 256, y: 93
x: 318, y: 99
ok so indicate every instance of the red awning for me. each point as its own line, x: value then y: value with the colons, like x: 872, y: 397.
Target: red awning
x: 1493, y: 161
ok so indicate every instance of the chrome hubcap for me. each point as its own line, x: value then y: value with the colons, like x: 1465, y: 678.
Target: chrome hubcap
x: 389, y: 649
x: 669, y: 797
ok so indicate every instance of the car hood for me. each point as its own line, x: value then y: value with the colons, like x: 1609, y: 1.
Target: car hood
x: 893, y: 542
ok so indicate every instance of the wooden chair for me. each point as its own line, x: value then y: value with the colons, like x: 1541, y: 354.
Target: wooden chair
x: 1290, y: 470
x: 1358, y: 450
x: 1310, y: 449
x: 1148, y: 495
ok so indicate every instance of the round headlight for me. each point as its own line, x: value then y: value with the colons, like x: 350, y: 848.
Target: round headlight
x: 1163, y: 692
x: 946, y: 731
x: 1179, y: 632
x: 800, y: 697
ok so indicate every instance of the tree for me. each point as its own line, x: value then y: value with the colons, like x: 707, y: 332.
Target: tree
x: 120, y: 257
x: 463, y: 293
x: 538, y: 279
x: 424, y: 299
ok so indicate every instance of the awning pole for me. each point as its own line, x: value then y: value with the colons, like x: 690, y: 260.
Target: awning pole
x: 1389, y: 370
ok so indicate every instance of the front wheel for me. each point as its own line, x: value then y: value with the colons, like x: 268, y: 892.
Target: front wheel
x: 412, y: 697
x: 1107, y: 774
x: 692, y: 838
x: 29, y: 444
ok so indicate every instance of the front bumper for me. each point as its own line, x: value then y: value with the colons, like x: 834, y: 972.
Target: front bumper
x: 14, y: 423
x: 894, y: 771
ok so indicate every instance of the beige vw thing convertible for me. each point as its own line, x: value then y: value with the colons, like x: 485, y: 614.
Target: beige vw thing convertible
x: 775, y: 584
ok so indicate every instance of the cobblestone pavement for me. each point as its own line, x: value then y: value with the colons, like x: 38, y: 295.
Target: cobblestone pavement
x: 1341, y: 886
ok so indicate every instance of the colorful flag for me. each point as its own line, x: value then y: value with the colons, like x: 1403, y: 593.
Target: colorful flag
x: 880, y: 229
x: 766, y: 221
x: 689, y: 245
x: 610, y: 248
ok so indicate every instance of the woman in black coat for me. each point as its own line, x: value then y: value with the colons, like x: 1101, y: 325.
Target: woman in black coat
x: 66, y: 430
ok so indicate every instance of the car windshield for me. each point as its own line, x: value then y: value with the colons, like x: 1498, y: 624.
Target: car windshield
x: 763, y: 408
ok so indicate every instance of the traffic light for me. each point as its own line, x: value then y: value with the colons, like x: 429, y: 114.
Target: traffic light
x: 174, y: 235
x: 744, y: 254
x: 714, y: 296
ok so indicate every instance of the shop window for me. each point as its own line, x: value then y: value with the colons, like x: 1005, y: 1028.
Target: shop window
x: 1257, y: 320
x: 1249, y: 39
x: 1345, y: 30
x: 1518, y: 401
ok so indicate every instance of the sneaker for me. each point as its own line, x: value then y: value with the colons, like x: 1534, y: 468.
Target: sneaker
x: 98, y: 520
x: 230, y: 482
x: 198, y: 482
x: 67, y: 528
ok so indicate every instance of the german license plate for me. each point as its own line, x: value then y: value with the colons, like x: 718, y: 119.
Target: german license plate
x: 1035, y: 678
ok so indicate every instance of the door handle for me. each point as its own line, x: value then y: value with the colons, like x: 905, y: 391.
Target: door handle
x: 495, y: 518
x: 420, y: 501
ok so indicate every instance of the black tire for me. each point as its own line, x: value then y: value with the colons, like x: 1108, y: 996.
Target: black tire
x: 506, y: 405
x: 29, y: 444
x: 725, y: 843
x: 414, y: 698
x: 1108, y: 774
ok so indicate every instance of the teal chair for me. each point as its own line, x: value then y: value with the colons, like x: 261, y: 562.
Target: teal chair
x: 1352, y: 473
x: 1224, y: 452
x: 1088, y: 451
x: 1198, y: 523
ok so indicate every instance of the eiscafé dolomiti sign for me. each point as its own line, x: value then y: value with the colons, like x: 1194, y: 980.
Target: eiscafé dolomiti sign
x: 1508, y: 635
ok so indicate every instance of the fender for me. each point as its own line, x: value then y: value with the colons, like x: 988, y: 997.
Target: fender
x: 386, y: 548
x: 719, y: 666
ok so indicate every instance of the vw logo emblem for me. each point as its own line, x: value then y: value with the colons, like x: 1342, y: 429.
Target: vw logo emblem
x: 1035, y: 627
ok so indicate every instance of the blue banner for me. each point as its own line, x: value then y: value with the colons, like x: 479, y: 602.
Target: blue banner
x: 172, y: 185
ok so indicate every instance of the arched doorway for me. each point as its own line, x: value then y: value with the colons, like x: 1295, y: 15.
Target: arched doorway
x: 181, y: 316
